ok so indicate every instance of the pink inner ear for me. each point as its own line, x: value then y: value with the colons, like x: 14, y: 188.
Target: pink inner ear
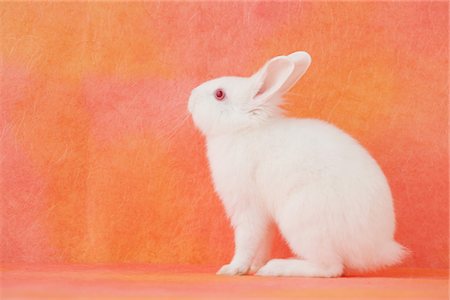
x: 261, y: 90
x: 273, y: 76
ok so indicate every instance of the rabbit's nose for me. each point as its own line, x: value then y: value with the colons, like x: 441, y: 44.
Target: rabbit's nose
x: 191, y: 104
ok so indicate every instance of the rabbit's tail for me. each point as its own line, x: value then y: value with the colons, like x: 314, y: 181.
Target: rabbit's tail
x: 388, y: 254
x: 393, y: 253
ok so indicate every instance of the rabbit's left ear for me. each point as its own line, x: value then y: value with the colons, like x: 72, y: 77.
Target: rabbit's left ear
x: 279, y: 74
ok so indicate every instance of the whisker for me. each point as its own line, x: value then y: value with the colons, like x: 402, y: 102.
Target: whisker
x: 176, y: 128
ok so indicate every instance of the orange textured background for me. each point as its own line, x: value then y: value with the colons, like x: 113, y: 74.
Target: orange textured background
x: 99, y: 164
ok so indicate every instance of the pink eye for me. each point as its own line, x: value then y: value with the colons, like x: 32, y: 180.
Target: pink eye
x: 219, y: 94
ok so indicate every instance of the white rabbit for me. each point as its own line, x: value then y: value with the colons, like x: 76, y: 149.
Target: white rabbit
x: 327, y: 195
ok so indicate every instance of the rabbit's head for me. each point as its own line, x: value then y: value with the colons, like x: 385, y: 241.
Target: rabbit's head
x: 229, y: 104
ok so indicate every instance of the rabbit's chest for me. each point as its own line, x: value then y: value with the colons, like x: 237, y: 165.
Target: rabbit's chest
x: 232, y: 169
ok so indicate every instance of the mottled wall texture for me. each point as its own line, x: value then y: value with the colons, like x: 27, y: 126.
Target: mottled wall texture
x: 100, y: 165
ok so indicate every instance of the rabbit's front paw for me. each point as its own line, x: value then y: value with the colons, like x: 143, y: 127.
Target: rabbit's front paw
x: 232, y: 269
x: 255, y: 267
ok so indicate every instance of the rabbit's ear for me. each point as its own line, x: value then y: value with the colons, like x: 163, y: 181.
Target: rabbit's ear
x: 279, y: 74
x: 270, y: 79
x: 302, y: 60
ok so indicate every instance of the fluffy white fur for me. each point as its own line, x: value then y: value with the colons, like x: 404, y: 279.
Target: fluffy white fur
x: 327, y: 195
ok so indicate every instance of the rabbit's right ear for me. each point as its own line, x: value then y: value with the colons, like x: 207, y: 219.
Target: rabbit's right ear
x: 279, y: 74
x: 270, y: 79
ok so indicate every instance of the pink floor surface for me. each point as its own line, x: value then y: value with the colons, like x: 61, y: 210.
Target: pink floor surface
x: 193, y: 282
